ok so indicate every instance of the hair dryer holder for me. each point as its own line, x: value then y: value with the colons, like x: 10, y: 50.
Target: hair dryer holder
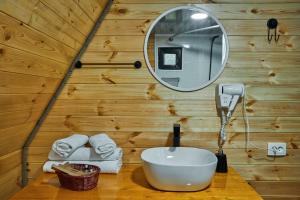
x: 227, y: 97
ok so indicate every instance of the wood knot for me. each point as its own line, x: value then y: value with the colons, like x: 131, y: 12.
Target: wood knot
x: 172, y: 110
x: 112, y: 56
x: 33, y: 100
x: 69, y: 124
x: 1, y: 52
x: 71, y: 90
x: 250, y: 103
x: 254, y: 11
x: 117, y: 127
x: 232, y: 137
x: 133, y: 150
x: 256, y: 177
x: 275, y: 126
x: 107, y: 42
x: 294, y: 146
x: 233, y: 119
x: 151, y: 92
x: 122, y: 10
x: 152, y: 87
x: 272, y: 74
x: 107, y: 79
x: 135, y: 134
x: 275, y: 169
x: 249, y: 110
x: 68, y: 116
x: 183, y: 120
x: 251, y: 44
x: 281, y: 31
x: 7, y: 36
x: 289, y: 45
x: 131, y: 141
x: 99, y: 110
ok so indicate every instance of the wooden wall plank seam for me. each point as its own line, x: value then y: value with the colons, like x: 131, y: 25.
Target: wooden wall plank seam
x: 22, y: 37
x: 71, y: 12
x: 237, y: 11
x: 92, y: 7
x: 236, y: 27
x: 38, y: 16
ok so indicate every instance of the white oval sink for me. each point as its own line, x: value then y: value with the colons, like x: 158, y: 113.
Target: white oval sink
x: 179, y: 168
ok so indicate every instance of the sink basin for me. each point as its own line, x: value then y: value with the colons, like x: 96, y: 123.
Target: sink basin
x: 179, y: 168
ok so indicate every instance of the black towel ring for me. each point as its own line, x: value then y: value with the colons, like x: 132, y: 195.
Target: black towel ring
x: 272, y: 24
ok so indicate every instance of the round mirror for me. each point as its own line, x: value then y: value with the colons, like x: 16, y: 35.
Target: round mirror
x: 186, y: 48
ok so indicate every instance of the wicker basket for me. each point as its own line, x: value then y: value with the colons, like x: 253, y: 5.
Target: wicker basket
x: 79, y: 183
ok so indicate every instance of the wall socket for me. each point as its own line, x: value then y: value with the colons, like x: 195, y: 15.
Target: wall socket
x: 276, y: 149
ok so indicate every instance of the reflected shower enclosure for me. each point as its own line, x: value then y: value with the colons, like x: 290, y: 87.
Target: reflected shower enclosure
x: 186, y: 49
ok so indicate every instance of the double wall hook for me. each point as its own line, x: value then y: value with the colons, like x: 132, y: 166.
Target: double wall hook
x: 272, y: 24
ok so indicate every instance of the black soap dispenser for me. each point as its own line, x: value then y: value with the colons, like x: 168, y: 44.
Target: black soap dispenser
x: 222, y: 162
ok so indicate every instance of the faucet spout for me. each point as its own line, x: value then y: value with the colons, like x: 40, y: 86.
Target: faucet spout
x: 176, y: 135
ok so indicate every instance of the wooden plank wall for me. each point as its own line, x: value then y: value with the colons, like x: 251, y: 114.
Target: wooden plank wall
x: 38, y: 40
x: 138, y: 112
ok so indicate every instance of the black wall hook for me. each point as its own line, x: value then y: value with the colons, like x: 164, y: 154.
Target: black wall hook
x: 272, y: 24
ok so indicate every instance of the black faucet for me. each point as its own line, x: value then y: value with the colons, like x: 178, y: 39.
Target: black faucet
x: 176, y: 135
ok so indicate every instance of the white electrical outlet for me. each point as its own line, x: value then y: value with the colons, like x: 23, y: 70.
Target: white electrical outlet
x: 276, y: 149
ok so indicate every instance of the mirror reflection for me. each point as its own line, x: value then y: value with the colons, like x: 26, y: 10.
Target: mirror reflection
x: 186, y: 48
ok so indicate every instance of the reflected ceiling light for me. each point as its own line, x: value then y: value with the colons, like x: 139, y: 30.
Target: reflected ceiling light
x: 186, y: 46
x: 198, y: 16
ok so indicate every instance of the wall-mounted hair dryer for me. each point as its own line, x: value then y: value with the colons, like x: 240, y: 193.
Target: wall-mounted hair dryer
x: 227, y: 97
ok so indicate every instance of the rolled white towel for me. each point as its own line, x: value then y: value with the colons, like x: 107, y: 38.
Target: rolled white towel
x: 86, y: 154
x: 103, y: 145
x: 66, y: 146
x: 112, y: 167
x: 116, y: 155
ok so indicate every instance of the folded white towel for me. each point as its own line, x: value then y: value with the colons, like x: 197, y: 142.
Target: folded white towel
x: 105, y: 166
x: 116, y: 155
x: 103, y: 145
x: 66, y: 146
x: 82, y: 153
x: 86, y: 154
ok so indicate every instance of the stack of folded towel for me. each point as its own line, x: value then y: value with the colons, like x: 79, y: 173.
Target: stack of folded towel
x: 104, y: 152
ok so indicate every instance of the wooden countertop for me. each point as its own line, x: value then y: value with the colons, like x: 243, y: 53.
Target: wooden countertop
x: 130, y: 183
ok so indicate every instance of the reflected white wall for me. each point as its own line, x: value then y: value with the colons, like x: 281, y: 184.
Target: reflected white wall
x: 195, y: 59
